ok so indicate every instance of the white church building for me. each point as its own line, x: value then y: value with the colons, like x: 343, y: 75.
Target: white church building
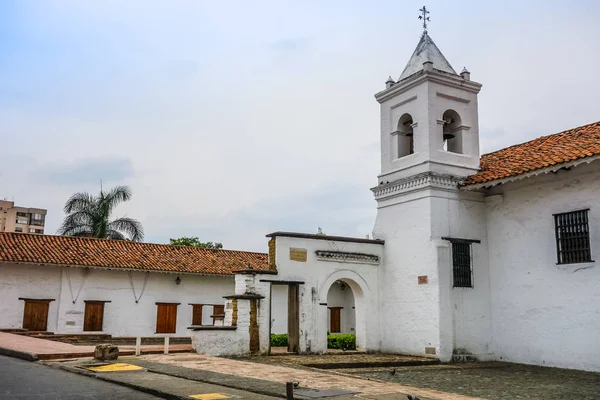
x: 490, y: 257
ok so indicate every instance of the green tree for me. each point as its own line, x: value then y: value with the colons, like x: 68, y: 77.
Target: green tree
x: 194, y: 241
x: 90, y: 216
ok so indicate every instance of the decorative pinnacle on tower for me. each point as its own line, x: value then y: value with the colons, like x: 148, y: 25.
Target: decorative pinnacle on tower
x: 424, y: 17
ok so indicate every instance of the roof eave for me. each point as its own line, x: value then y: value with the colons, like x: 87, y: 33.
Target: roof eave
x: 540, y: 171
x: 117, y: 268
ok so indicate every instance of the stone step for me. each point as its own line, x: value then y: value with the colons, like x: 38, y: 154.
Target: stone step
x: 81, y: 337
x: 34, y: 333
x: 372, y: 364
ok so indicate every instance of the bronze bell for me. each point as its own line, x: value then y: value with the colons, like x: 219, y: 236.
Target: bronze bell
x: 448, y: 136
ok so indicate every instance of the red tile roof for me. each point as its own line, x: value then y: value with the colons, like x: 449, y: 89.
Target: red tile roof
x: 120, y: 254
x: 542, y: 152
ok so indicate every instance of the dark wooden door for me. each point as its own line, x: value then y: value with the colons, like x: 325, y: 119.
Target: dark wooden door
x: 35, y: 315
x: 94, y: 316
x: 334, y: 319
x: 197, y: 314
x: 293, y: 318
x: 166, y: 317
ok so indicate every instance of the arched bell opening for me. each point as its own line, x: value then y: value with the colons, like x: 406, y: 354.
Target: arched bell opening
x: 451, y: 132
x: 405, y: 136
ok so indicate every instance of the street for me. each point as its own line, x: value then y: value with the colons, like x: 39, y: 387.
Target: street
x: 25, y: 380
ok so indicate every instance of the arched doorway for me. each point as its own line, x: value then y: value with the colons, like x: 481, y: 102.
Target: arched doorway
x: 344, y: 294
x: 340, y: 303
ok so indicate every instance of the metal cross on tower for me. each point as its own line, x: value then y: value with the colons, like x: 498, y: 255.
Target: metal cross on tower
x: 424, y: 17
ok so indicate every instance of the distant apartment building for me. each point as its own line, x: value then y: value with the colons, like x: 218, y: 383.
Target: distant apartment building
x: 21, y: 219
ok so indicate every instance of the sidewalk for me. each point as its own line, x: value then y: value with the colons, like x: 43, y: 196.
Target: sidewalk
x: 270, y: 379
x: 33, y: 349
x: 160, y: 385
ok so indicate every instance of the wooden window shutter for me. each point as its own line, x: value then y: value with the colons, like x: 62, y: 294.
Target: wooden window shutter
x: 197, y: 314
x: 218, y: 312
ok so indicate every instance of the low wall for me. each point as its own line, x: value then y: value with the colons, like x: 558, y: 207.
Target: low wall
x: 221, y: 341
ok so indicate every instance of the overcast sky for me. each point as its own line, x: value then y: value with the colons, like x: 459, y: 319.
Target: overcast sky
x: 233, y: 119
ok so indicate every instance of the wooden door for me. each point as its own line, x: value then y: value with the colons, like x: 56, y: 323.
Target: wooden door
x: 197, y: 314
x: 94, y: 316
x: 166, y: 317
x: 334, y: 319
x: 293, y: 318
x: 35, y: 315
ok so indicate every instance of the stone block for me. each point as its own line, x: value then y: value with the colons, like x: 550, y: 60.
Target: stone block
x: 106, y: 352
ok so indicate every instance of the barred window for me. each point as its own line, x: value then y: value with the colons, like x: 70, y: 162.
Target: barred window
x: 461, y: 264
x: 572, y: 237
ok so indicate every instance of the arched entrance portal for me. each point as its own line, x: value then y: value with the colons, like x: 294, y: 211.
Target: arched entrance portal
x: 344, y: 294
x: 341, y: 318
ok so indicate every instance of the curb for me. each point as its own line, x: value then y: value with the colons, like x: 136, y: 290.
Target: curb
x: 224, y: 384
x: 139, y: 388
x: 23, y: 355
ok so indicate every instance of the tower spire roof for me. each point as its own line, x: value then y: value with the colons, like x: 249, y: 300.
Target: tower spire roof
x: 426, y: 51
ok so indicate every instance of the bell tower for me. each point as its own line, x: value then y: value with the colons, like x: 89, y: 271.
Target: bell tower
x: 429, y: 118
x: 429, y: 144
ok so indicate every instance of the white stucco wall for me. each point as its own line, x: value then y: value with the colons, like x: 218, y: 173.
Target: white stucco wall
x: 410, y: 312
x: 318, y: 276
x: 544, y: 313
x: 122, y: 316
x: 27, y: 282
x: 465, y: 312
x: 279, y: 304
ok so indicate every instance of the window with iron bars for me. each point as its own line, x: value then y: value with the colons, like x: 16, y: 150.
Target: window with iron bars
x: 462, y: 273
x: 572, y: 237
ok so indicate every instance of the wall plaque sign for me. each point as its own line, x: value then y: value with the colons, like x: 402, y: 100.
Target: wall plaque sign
x: 298, y: 254
x: 423, y: 280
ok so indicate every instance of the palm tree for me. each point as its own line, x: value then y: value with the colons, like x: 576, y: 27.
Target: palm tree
x: 89, y: 216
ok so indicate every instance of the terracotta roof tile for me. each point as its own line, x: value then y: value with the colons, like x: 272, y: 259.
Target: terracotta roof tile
x: 89, y: 252
x: 542, y: 152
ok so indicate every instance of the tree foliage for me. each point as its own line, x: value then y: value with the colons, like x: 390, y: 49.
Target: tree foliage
x: 195, y: 242
x: 90, y: 216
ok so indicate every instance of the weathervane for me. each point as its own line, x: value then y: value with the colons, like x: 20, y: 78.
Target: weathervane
x: 424, y: 17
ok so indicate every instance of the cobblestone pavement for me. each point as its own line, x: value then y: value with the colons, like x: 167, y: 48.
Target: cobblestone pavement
x: 494, y: 380
x: 367, y: 389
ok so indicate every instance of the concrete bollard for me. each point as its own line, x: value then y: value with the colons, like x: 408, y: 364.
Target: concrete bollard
x: 138, y: 345
x: 166, y: 345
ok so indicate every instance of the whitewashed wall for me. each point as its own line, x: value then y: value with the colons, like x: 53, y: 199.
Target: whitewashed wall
x: 122, y: 316
x: 544, y: 313
x: 465, y: 312
x: 27, y: 282
x: 279, y: 304
x: 412, y: 318
x: 319, y: 276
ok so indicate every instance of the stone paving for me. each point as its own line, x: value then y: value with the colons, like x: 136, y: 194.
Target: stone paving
x: 494, y: 381
x: 367, y: 389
